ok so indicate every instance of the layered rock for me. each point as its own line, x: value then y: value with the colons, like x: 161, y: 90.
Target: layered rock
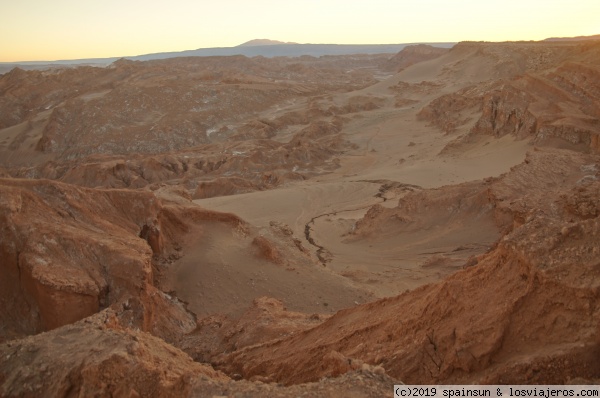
x: 69, y: 252
x: 546, y: 104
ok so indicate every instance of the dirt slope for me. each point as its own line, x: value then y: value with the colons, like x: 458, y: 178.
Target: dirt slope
x: 411, y: 55
x: 476, y: 325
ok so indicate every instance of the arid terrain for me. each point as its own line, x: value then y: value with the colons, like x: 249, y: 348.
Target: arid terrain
x: 302, y: 226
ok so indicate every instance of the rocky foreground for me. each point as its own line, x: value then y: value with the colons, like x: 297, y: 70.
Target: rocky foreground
x: 92, y: 228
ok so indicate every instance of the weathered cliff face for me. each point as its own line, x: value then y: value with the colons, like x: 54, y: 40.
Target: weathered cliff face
x: 506, y: 111
x: 451, y: 111
x: 477, y: 325
x: 556, y: 104
x: 69, y: 252
x: 543, y: 103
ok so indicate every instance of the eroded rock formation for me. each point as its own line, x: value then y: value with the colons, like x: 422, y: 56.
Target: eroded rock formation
x: 546, y: 103
x: 99, y: 169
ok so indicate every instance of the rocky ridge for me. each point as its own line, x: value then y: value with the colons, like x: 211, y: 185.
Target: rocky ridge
x: 552, y: 99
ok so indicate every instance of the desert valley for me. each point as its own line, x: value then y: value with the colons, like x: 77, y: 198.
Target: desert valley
x: 302, y: 226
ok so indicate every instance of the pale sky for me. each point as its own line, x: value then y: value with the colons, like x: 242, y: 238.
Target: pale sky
x: 72, y: 29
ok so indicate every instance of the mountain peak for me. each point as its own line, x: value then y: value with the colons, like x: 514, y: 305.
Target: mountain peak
x: 263, y: 42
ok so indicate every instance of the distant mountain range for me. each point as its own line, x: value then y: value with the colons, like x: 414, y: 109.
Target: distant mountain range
x: 264, y: 42
x: 252, y: 48
x: 577, y: 38
x: 268, y: 48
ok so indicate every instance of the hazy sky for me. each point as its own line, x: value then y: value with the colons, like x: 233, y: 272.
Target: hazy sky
x: 69, y: 29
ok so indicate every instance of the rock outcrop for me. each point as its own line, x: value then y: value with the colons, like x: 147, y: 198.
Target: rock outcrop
x: 547, y: 104
x: 97, y: 356
x: 68, y: 252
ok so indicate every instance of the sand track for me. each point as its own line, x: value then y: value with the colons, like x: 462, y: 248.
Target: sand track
x: 391, y: 146
x: 323, y: 254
